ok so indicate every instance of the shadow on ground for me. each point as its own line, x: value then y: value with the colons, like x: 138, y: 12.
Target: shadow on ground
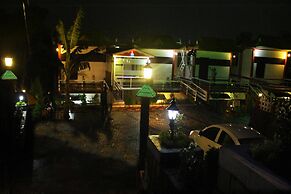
x: 60, y: 168
x: 81, y: 156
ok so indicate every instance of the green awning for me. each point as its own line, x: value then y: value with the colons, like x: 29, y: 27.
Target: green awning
x: 146, y: 91
x: 8, y: 75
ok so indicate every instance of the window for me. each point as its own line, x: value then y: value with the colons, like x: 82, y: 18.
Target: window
x: 225, y: 139
x: 134, y: 67
x: 210, y: 133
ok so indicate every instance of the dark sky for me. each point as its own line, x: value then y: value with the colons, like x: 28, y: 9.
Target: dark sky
x: 187, y: 19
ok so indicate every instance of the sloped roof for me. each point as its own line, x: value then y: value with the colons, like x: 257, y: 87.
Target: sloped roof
x: 274, y: 42
x: 91, y: 53
x: 132, y: 53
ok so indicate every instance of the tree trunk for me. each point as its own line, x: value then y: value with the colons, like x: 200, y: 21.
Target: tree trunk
x: 67, y: 98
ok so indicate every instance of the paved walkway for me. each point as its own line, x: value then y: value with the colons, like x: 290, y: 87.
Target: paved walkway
x: 85, y: 156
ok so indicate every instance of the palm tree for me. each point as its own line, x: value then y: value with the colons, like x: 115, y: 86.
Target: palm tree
x: 73, y: 63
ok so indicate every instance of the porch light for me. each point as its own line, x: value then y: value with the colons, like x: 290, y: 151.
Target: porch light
x: 147, y: 70
x: 173, y: 111
x: 8, y: 61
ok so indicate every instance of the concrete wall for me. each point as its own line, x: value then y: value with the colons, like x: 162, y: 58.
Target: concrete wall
x: 96, y: 72
x: 161, y: 71
x: 247, y: 62
x: 240, y: 174
x: 222, y: 72
x: 274, y: 71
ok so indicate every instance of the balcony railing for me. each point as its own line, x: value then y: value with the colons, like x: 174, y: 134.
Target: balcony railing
x: 135, y: 83
x: 220, y: 85
x: 82, y: 86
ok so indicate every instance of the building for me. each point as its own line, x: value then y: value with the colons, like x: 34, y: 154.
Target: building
x: 205, y: 72
x: 88, y: 78
x: 264, y: 70
x: 123, y: 70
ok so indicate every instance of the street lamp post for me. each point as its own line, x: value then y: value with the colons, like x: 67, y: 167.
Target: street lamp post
x: 173, y: 111
x: 7, y: 104
x: 146, y: 92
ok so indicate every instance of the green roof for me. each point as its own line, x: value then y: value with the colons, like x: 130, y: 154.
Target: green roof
x: 146, y: 91
x: 8, y: 75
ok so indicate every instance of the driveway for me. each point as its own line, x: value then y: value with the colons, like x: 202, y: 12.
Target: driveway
x: 87, y: 156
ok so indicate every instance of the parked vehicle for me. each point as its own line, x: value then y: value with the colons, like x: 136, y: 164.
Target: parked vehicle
x: 217, y: 135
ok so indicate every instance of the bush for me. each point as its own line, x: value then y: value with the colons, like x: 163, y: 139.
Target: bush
x: 180, y: 140
x: 199, y: 172
x: 191, y: 166
x: 37, y: 112
x: 273, y: 155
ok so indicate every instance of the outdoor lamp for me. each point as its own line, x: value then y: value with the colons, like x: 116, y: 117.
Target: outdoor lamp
x: 173, y: 111
x: 8, y: 61
x: 147, y: 70
x: 21, y: 98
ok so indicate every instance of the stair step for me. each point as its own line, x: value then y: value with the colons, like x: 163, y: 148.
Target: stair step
x: 118, y: 102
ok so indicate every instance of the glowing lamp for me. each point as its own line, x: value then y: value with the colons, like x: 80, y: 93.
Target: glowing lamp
x: 8, y: 61
x: 173, y: 111
x: 147, y: 71
x: 21, y: 98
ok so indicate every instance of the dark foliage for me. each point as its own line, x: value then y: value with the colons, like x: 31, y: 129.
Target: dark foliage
x: 274, y: 153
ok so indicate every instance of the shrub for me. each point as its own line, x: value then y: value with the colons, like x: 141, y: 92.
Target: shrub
x: 273, y: 155
x: 191, y: 166
x: 274, y: 152
x: 37, y: 112
x: 180, y: 140
x: 199, y: 172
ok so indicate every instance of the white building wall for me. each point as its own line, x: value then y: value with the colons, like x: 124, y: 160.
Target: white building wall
x: 222, y: 72
x: 161, y: 71
x: 247, y: 60
x: 96, y: 72
x: 160, y: 52
x: 274, y: 71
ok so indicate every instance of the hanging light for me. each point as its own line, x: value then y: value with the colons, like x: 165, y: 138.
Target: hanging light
x: 147, y: 70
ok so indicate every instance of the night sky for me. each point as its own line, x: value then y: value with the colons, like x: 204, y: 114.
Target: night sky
x: 181, y: 18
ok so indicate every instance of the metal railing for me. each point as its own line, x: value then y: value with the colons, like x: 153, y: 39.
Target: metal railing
x: 129, y: 82
x: 135, y: 83
x: 195, y: 90
x: 82, y: 86
x: 272, y: 84
x: 220, y: 85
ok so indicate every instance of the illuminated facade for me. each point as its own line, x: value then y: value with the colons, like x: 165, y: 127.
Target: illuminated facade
x: 206, y: 76
x: 264, y: 70
x: 128, y: 66
x: 124, y: 70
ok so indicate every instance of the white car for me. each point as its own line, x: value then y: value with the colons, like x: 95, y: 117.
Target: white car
x: 215, y: 136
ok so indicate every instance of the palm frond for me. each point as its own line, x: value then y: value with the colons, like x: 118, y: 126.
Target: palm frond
x: 61, y: 31
x: 74, y: 32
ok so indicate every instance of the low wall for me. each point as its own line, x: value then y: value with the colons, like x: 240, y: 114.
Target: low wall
x: 238, y: 173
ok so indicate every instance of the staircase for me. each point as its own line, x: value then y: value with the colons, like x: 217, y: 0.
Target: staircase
x: 193, y: 91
